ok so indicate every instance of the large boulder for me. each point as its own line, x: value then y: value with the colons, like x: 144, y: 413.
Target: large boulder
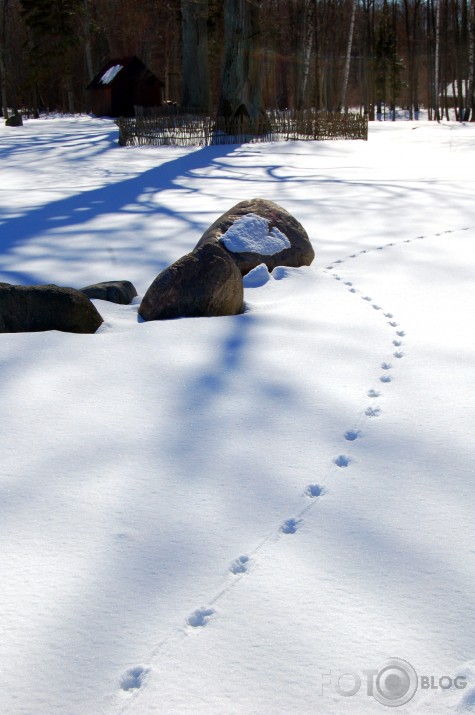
x: 259, y: 231
x: 203, y: 283
x: 25, y: 309
x: 122, y: 292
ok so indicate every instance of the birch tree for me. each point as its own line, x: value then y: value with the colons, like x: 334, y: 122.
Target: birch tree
x: 304, y: 51
x: 346, y: 73
x: 436, y: 61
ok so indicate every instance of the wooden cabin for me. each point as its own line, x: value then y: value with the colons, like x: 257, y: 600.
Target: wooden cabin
x: 121, y: 85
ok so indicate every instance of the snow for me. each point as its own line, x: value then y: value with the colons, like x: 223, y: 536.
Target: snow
x: 257, y: 277
x: 251, y: 234
x: 241, y: 514
x: 110, y: 74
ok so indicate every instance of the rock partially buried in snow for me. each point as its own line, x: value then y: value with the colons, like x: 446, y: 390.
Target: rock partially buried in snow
x: 203, y: 283
x: 25, y: 309
x: 248, y: 240
x: 121, y: 292
x: 15, y: 120
x: 259, y: 231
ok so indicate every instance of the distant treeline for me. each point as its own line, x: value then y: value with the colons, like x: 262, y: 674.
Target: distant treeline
x: 372, y: 55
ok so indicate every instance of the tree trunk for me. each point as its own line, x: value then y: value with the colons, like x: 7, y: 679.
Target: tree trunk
x: 3, y: 70
x: 346, y: 75
x: 240, y: 87
x: 368, y: 58
x: 411, y: 24
x: 446, y: 74
x: 69, y: 92
x: 87, y: 41
x: 195, y: 94
x: 305, y: 50
x: 436, y: 61
x: 457, y: 79
x: 471, y: 62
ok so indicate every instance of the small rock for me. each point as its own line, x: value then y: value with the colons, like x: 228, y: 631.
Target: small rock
x: 122, y: 292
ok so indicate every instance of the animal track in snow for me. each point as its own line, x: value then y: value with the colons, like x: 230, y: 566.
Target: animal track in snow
x: 400, y: 333
x: 393, y: 243
x: 373, y: 393
x: 240, y: 565
x: 373, y: 412
x: 200, y: 617
x: 314, y: 491
x: 377, y: 307
x: 397, y: 343
x: 366, y: 297
x: 393, y: 323
x: 386, y: 366
x: 398, y: 354
x: 351, y: 434
x: 388, y: 315
x: 290, y: 526
x: 348, y: 283
x: 385, y: 378
x: 134, y: 678
x: 342, y: 460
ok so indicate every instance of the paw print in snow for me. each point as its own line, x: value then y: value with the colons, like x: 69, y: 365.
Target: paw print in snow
x: 134, y: 678
x: 240, y: 565
x: 290, y: 526
x: 200, y: 617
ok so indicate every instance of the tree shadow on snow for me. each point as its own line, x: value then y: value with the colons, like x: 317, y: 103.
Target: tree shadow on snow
x: 115, y: 199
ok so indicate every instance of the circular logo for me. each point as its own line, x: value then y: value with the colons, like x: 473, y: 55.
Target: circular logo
x: 395, y: 682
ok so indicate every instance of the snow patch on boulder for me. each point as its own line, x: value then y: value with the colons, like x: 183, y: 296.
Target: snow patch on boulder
x: 251, y: 234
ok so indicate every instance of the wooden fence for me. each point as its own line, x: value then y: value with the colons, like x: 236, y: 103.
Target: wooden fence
x: 168, y: 129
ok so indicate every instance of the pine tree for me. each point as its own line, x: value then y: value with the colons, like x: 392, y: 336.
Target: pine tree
x: 53, y: 40
x: 389, y: 65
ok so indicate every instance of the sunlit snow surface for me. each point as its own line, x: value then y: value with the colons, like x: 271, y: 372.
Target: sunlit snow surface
x: 228, y: 515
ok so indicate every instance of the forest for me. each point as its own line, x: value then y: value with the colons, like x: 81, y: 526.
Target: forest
x: 368, y: 56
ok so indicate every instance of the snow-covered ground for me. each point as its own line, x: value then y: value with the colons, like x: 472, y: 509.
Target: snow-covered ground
x: 250, y: 514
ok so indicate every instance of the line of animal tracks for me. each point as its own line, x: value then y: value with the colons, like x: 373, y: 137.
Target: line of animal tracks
x: 392, y: 359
